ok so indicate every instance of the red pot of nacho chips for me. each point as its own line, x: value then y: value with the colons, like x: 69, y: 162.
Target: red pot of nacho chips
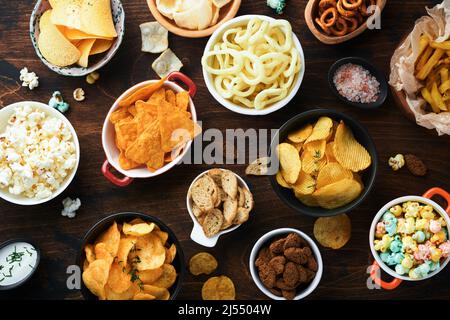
x: 149, y: 129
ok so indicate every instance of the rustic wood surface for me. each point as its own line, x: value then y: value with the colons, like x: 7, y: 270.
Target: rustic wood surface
x: 345, y: 270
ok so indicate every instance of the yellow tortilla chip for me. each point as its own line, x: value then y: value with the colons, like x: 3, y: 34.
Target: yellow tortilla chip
x: 54, y: 47
x: 96, y: 18
x: 85, y: 47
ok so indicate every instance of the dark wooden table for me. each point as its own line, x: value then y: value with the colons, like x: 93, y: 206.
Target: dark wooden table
x: 345, y: 270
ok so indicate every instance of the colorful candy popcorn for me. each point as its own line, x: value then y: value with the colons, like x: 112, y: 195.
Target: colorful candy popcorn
x: 412, y: 238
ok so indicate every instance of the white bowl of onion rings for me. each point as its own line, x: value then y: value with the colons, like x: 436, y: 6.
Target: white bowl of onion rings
x: 253, y: 64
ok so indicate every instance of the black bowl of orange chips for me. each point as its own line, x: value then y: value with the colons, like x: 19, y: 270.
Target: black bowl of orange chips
x: 325, y: 186
x: 133, y: 218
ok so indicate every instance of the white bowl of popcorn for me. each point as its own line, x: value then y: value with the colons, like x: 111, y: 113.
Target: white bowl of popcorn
x: 39, y: 153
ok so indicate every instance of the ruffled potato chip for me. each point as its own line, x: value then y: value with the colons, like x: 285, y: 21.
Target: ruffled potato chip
x: 149, y: 254
x: 331, y: 173
x: 289, y: 162
x: 307, y: 199
x: 202, y: 263
x: 168, y: 277
x: 305, y: 184
x: 300, y: 135
x: 338, y: 194
x: 333, y: 232
x: 312, y: 163
x: 348, y: 152
x: 329, y: 153
x: 317, y: 148
x: 218, y: 288
x: 321, y: 130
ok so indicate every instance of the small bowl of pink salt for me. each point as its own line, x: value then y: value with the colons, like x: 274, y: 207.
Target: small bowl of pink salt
x: 358, y: 83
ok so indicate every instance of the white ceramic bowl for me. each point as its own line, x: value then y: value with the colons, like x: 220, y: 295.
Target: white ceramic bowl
x: 197, y: 234
x: 264, y: 240
x: 235, y: 107
x: 109, y: 135
x: 95, y: 62
x: 377, y: 218
x: 5, y: 113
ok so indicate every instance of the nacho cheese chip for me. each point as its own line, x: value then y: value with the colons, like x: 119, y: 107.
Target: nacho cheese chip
x: 155, y: 38
x: 166, y: 63
x: 55, y: 48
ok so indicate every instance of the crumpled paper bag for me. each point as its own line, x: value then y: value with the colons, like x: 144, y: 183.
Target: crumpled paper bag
x: 437, y: 26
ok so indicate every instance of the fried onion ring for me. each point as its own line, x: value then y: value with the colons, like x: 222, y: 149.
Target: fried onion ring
x: 354, y: 23
x: 325, y: 4
x: 350, y: 5
x: 340, y: 28
x: 343, y: 12
x: 328, y: 17
x: 363, y: 8
x: 325, y: 29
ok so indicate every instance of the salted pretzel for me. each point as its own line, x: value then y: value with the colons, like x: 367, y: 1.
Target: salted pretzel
x: 328, y: 17
x: 324, y: 28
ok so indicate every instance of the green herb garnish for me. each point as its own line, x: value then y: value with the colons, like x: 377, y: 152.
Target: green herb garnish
x: 15, y: 257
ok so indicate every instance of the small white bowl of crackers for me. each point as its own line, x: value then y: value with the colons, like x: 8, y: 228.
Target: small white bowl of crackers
x: 218, y: 201
x: 77, y: 37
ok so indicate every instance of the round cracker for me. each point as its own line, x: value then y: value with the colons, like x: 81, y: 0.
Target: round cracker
x: 333, y: 232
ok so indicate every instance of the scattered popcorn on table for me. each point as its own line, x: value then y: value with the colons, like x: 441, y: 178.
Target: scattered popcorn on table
x: 29, y: 79
x: 57, y: 102
x: 397, y: 162
x: 37, y: 153
x: 277, y: 5
x: 92, y: 77
x: 70, y: 207
x: 78, y: 94
x: 412, y: 239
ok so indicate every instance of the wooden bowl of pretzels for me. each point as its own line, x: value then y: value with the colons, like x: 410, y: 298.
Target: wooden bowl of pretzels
x: 336, y: 21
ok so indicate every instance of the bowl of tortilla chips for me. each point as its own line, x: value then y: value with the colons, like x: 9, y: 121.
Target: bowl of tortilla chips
x: 77, y: 37
x: 149, y: 129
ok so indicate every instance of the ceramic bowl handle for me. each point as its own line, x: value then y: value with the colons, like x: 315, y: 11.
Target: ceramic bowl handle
x: 197, y: 235
x: 106, y: 170
x: 192, y: 88
x: 375, y: 275
x: 440, y: 192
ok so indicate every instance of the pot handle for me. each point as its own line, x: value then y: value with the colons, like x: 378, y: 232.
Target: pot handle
x: 106, y: 170
x: 185, y: 79
x: 375, y: 270
x: 440, y: 192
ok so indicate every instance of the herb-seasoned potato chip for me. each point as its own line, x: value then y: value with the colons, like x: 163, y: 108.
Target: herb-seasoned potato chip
x: 331, y: 173
x: 312, y: 163
x: 125, y: 246
x: 149, y: 254
x: 119, y: 279
x: 218, y: 288
x: 202, y: 263
x: 137, y: 230
x: 96, y: 276
x: 305, y: 184
x: 333, y: 232
x: 321, y: 130
x: 317, y: 148
x: 338, y: 194
x: 300, y: 135
x: 150, y: 276
x: 289, y: 162
x: 111, y: 239
x: 168, y: 277
x: 348, y: 152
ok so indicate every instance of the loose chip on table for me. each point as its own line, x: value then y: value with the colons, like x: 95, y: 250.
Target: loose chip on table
x: 154, y: 37
x: 166, y: 63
